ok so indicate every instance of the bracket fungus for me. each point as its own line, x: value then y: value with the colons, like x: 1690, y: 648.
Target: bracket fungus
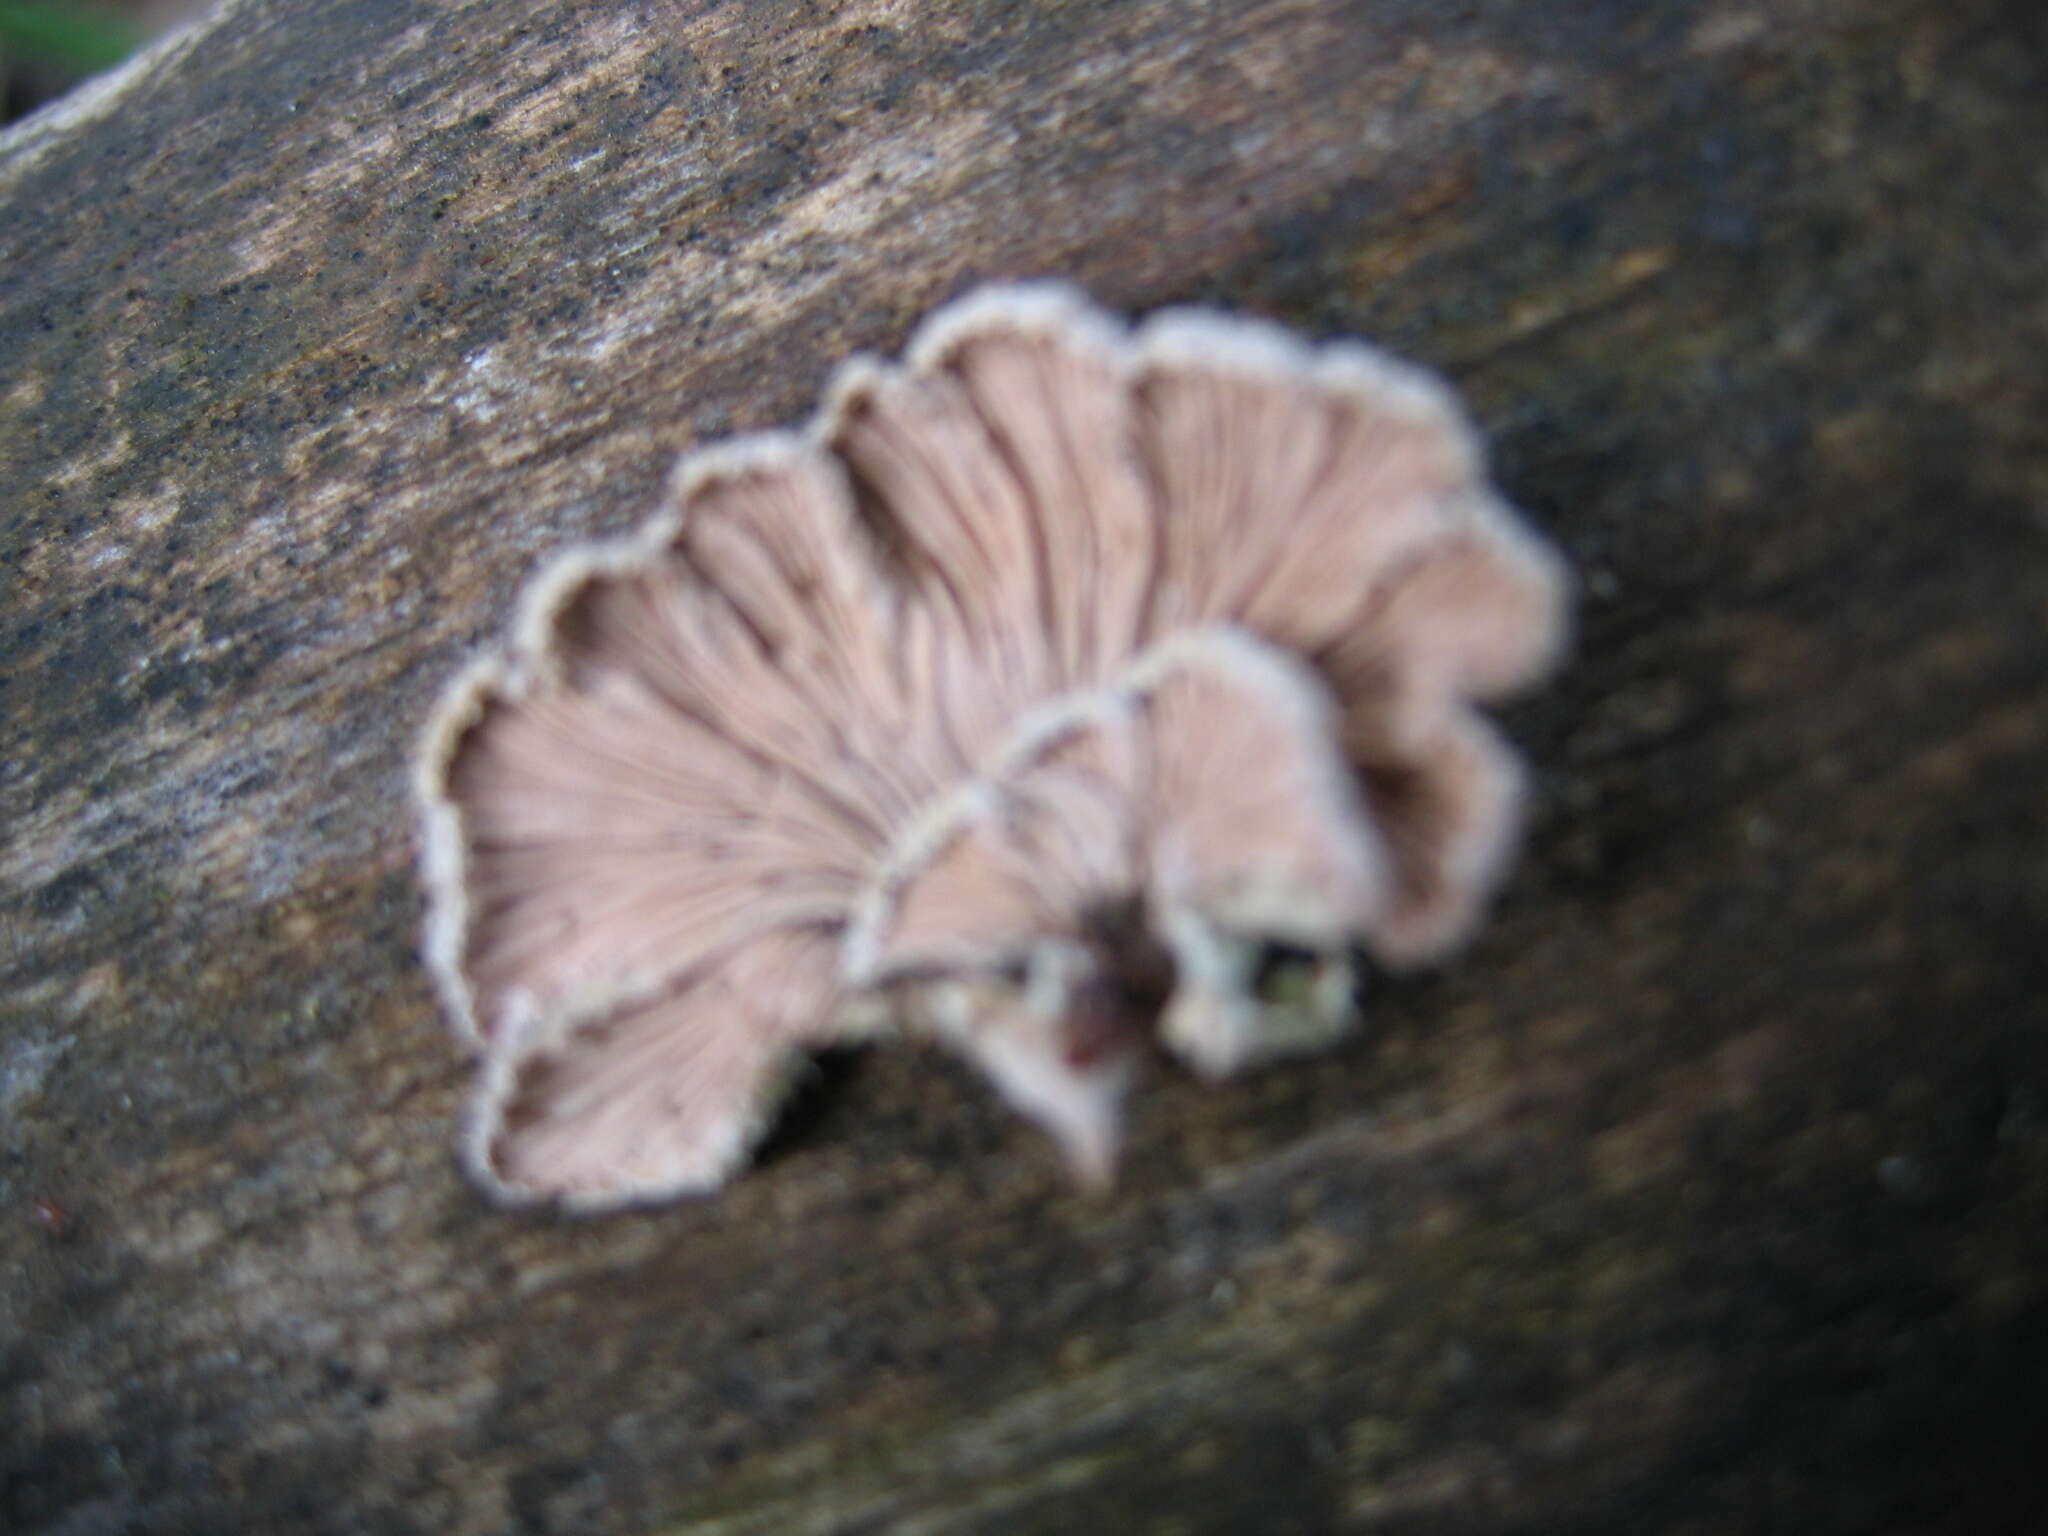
x: 1064, y: 689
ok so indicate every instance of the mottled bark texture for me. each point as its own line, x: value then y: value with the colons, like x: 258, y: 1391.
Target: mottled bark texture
x: 1709, y: 1191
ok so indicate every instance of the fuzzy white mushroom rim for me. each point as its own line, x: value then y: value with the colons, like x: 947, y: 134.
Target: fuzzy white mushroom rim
x: 1064, y: 688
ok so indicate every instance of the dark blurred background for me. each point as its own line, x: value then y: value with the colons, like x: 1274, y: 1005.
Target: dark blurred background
x: 47, y: 47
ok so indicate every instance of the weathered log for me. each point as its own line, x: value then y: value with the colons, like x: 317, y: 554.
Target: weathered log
x: 1708, y: 1191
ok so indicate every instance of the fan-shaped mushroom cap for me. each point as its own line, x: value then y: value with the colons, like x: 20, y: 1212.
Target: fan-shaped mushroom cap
x: 655, y: 1096
x: 1264, y: 866
x: 1054, y: 621
x: 684, y: 747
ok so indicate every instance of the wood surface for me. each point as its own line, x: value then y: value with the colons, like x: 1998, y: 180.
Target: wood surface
x: 1707, y: 1191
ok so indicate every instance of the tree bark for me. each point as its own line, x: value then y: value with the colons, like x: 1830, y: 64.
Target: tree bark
x: 1707, y: 1191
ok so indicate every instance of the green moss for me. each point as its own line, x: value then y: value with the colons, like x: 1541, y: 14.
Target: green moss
x: 73, y: 38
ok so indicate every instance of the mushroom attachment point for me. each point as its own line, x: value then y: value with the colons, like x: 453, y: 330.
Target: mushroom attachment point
x: 1064, y: 692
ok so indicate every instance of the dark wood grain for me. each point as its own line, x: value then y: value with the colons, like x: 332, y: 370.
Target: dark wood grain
x: 1707, y: 1192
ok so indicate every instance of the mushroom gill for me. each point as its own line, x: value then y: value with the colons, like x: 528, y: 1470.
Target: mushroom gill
x: 1062, y: 690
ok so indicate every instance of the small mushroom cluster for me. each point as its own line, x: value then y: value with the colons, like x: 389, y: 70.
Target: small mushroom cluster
x: 1064, y: 689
